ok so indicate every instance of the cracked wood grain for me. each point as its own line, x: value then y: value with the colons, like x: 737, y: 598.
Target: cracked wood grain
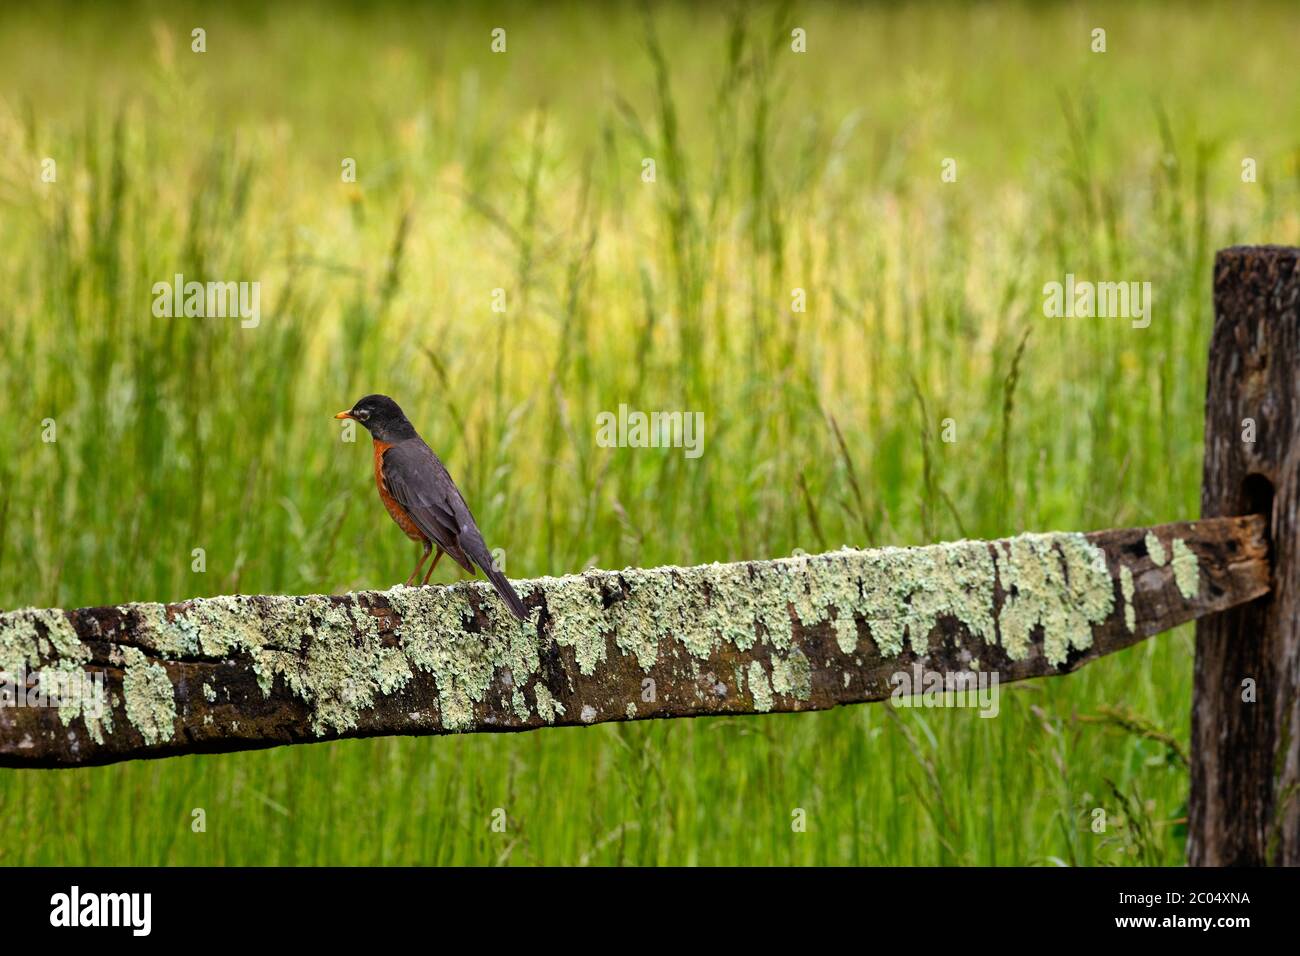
x: 1244, y: 804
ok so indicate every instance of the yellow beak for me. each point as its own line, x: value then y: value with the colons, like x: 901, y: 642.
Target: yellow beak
x: 347, y: 414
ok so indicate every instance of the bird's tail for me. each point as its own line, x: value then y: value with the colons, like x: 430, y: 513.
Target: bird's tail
x: 507, y: 592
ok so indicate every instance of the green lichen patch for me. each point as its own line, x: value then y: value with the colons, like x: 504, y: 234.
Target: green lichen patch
x: 1058, y: 582
x: 338, y: 663
x: 901, y: 594
x: 435, y: 639
x: 547, y: 707
x: 1155, y: 549
x: 43, y: 643
x: 30, y: 638
x: 792, y: 675
x: 1127, y: 590
x: 519, y: 704
x: 1187, y: 573
x: 215, y: 627
x: 906, y: 591
x: 80, y: 694
x: 149, y: 697
x: 759, y: 687
x: 581, y: 623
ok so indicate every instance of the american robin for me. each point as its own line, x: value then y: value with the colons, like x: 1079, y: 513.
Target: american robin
x: 420, y: 495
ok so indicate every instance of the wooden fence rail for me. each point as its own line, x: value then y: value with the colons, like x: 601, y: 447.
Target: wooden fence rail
x: 804, y: 633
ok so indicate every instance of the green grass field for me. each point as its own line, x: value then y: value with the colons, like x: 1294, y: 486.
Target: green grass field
x: 523, y: 171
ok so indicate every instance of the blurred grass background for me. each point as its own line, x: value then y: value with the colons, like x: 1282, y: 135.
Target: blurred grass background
x: 522, y: 171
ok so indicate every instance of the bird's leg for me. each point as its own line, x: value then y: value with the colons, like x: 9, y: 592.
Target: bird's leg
x: 436, y: 558
x: 428, y: 546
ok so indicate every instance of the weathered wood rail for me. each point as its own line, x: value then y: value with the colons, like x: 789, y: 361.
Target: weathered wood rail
x: 805, y: 633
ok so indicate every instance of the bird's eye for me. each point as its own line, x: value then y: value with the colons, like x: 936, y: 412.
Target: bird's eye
x: 362, y: 414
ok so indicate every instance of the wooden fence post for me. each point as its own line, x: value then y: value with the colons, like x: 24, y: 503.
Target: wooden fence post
x: 1244, y: 806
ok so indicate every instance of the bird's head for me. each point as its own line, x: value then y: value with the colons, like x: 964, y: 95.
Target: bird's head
x: 381, y: 416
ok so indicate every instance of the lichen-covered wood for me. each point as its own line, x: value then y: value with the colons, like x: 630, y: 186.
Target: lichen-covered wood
x: 792, y: 634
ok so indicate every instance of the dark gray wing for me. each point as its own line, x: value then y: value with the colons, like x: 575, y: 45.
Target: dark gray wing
x: 418, y: 481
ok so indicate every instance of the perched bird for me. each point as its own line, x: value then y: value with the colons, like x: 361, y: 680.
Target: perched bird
x: 420, y: 495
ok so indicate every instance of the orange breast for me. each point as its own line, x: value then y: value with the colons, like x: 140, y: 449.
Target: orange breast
x: 400, y: 515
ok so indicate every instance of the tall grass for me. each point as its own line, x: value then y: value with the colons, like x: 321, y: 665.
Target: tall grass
x: 521, y: 172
